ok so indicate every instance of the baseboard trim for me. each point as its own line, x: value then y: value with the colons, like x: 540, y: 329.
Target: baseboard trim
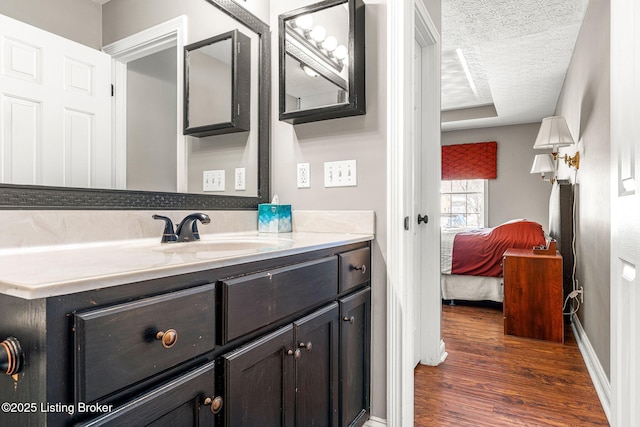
x: 598, y: 376
x: 376, y: 422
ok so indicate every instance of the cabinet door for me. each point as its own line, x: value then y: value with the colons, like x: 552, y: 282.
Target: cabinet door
x: 259, y: 382
x: 355, y: 339
x: 317, y: 368
x: 180, y: 402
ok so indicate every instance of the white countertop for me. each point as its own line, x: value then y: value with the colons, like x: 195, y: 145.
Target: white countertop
x: 40, y: 272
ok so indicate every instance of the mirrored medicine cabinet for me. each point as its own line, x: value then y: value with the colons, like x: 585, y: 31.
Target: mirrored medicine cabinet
x: 217, y: 85
x: 321, y: 61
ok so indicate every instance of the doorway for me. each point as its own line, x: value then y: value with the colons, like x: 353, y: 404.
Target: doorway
x: 163, y: 42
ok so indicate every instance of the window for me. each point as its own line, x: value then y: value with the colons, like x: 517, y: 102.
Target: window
x: 463, y: 203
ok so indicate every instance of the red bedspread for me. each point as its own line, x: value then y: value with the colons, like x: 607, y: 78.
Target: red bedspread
x: 479, y: 252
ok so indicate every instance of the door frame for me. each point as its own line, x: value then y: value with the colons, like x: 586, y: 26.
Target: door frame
x: 432, y: 348
x: 403, y: 16
x: 172, y: 33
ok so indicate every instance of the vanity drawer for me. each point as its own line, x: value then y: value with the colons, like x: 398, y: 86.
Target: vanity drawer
x: 355, y: 268
x: 119, y: 345
x: 253, y: 301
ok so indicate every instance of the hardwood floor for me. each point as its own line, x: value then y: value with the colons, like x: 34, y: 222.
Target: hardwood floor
x: 492, y: 379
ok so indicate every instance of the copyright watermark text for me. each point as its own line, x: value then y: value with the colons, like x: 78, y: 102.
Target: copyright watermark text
x: 69, y: 408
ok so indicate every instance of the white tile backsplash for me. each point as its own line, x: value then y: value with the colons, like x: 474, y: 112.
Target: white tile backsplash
x: 24, y: 228
x: 27, y: 228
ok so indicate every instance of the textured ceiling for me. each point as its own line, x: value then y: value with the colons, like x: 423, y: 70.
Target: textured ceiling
x: 516, y: 54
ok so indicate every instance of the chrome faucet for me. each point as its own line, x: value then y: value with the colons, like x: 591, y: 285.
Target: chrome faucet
x: 187, y: 230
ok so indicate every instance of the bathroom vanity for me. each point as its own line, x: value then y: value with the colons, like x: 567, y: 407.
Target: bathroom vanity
x: 229, y: 332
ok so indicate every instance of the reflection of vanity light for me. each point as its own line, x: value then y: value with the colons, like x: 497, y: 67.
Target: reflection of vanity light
x: 330, y: 43
x: 304, y: 22
x: 341, y: 52
x: 310, y: 71
x: 318, y: 33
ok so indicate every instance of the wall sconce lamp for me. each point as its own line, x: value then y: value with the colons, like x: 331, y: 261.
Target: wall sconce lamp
x: 544, y: 163
x: 554, y: 133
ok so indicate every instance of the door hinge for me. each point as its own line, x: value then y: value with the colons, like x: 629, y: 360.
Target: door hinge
x: 113, y: 90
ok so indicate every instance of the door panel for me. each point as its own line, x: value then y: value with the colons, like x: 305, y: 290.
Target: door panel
x: 625, y: 206
x: 260, y: 382
x: 55, y: 105
x: 355, y: 333
x: 317, y: 338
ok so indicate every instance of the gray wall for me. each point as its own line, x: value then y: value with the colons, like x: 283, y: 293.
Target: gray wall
x: 585, y: 103
x: 515, y: 193
x: 151, y: 122
x: 83, y: 25
x: 362, y: 138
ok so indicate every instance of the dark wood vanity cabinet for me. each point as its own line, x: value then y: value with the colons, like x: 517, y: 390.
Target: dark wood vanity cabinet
x: 281, y: 341
x: 314, y: 371
x: 293, y: 374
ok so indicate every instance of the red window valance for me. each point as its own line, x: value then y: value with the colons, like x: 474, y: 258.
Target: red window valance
x: 470, y: 161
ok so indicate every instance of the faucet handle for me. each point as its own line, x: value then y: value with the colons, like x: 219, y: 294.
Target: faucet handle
x: 168, y: 235
x: 187, y: 230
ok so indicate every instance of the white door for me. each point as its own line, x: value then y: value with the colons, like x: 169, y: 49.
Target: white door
x: 55, y: 110
x: 625, y: 213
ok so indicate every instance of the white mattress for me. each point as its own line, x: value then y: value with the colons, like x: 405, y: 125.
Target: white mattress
x: 447, y: 235
x: 472, y: 288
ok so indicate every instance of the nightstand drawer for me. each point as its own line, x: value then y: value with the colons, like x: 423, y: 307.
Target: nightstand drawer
x: 119, y: 345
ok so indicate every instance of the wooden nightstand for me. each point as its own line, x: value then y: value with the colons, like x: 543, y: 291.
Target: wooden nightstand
x: 533, y: 295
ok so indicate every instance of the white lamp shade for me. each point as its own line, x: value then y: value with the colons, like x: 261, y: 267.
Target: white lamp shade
x: 543, y: 163
x: 553, y: 133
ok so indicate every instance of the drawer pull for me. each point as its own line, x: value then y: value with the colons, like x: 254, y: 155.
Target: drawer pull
x: 12, y: 358
x: 308, y: 345
x: 214, y: 403
x: 295, y: 353
x: 362, y: 269
x: 349, y: 319
x: 168, y: 338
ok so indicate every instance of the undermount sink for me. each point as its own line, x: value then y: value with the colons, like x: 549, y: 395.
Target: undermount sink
x: 225, y: 245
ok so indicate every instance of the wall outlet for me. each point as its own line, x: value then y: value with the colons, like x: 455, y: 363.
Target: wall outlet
x: 240, y: 183
x: 340, y: 174
x: 213, y: 180
x: 304, y: 177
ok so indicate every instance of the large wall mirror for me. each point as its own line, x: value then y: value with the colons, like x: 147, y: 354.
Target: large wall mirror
x: 145, y: 173
x: 321, y: 61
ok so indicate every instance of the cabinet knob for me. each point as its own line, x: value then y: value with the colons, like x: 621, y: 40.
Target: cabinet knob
x: 215, y: 403
x: 349, y: 319
x: 168, y: 338
x: 308, y: 345
x: 295, y: 353
x: 11, y: 356
x: 362, y: 269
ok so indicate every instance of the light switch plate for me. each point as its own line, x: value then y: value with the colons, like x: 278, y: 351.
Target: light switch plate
x: 340, y: 174
x: 213, y: 180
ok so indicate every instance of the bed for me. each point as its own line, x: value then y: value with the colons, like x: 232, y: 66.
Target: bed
x: 471, y: 259
x: 486, y: 283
